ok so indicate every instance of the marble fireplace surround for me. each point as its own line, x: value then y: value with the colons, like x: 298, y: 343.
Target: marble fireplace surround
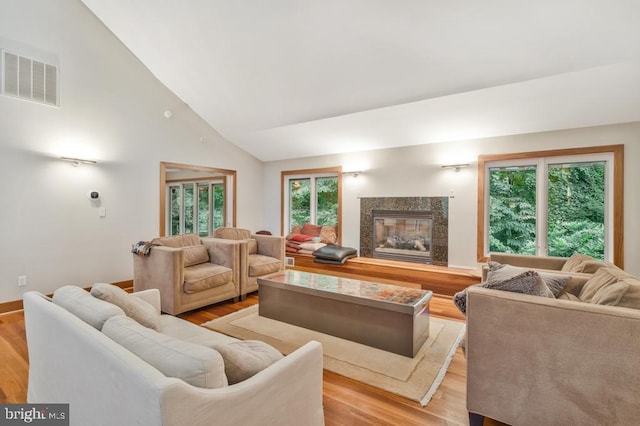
x: 438, y: 206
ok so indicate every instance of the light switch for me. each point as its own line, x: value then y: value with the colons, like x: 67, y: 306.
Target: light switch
x: 102, y: 212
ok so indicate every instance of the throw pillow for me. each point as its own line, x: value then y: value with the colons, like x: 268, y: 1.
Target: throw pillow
x: 504, y: 278
x: 555, y: 282
x: 574, y: 261
x: 195, y: 255
x: 243, y: 359
x: 80, y: 303
x: 301, y: 238
x: 602, y: 278
x: 328, y: 235
x: 195, y: 364
x: 335, y: 252
x: 132, y: 306
x: 311, y: 229
x: 591, y: 266
x: 624, y: 293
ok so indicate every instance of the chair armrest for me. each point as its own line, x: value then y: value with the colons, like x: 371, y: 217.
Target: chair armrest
x: 151, y: 296
x: 270, y: 245
x: 526, y: 352
x: 163, y: 269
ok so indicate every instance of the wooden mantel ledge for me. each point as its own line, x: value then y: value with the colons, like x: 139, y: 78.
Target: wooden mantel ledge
x: 441, y: 280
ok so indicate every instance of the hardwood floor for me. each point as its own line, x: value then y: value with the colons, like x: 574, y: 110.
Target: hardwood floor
x: 346, y: 402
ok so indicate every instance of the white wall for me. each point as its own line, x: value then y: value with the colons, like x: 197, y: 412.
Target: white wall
x: 417, y: 171
x: 111, y: 110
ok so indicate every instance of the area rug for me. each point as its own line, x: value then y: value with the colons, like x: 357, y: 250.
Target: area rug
x: 415, y: 378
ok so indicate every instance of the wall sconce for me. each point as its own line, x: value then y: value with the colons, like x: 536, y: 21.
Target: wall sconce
x: 77, y: 161
x: 455, y: 167
x: 354, y: 174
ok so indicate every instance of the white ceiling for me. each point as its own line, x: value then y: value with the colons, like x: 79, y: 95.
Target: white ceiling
x: 296, y: 78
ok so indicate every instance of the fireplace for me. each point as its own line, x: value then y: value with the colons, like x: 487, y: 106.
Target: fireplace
x: 409, y: 229
x: 402, y: 235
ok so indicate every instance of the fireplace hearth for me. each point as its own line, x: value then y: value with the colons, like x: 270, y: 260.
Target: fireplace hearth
x: 409, y: 229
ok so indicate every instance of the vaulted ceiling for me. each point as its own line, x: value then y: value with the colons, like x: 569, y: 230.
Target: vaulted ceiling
x: 297, y: 78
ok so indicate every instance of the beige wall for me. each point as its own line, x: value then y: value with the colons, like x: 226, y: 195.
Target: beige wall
x: 417, y: 171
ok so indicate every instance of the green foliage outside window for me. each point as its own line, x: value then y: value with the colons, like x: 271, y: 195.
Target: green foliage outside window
x: 299, y: 202
x: 188, y: 209
x: 575, y: 206
x: 203, y: 210
x: 327, y: 201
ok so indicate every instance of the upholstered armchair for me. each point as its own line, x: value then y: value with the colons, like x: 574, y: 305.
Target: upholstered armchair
x: 189, y: 271
x: 260, y: 255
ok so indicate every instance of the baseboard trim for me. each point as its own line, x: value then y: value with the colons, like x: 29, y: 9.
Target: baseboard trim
x: 16, y: 305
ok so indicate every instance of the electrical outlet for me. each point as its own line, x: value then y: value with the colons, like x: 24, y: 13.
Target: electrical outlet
x: 22, y: 280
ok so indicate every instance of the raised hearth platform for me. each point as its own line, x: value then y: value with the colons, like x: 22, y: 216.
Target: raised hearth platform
x: 441, y: 280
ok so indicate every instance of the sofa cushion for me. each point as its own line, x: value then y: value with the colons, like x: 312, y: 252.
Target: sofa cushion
x: 572, y: 263
x: 194, y: 255
x: 261, y: 265
x: 204, y: 276
x: 79, y: 302
x: 195, y: 364
x: 335, y: 252
x: 133, y: 307
x: 252, y: 246
x: 602, y: 278
x: 245, y: 358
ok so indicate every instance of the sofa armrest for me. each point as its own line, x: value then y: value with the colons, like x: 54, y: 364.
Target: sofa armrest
x: 534, y: 360
x: 151, y: 296
x: 287, y: 393
x: 270, y: 245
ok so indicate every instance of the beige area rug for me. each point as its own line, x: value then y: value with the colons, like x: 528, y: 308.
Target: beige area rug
x: 415, y: 378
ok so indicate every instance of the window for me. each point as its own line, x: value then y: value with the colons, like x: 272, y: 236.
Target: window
x: 311, y: 196
x: 552, y: 203
x: 195, y: 207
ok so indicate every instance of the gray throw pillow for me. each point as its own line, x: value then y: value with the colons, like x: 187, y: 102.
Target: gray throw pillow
x: 508, y: 278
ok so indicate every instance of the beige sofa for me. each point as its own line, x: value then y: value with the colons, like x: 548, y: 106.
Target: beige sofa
x: 189, y: 271
x: 535, y: 360
x: 259, y: 255
x: 130, y: 374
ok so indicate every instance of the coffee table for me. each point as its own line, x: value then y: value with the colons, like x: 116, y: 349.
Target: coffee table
x: 384, y: 316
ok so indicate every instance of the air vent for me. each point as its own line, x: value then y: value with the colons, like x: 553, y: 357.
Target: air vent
x: 27, y: 78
